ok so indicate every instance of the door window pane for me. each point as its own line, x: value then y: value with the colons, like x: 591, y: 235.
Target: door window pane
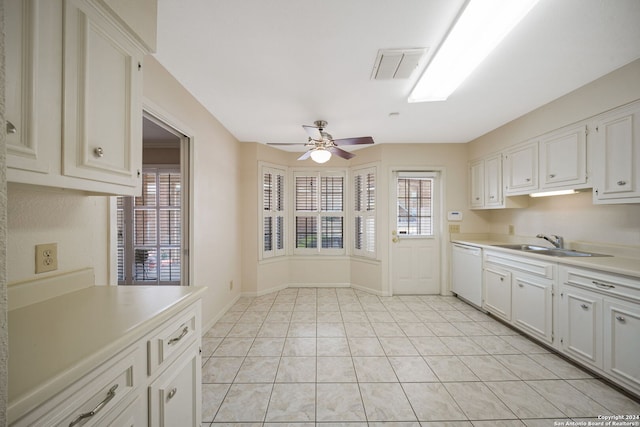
x: 415, y: 210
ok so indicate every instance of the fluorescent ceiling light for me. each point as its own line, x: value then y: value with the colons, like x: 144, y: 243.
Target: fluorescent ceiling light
x: 478, y: 30
x: 553, y: 193
x: 320, y: 155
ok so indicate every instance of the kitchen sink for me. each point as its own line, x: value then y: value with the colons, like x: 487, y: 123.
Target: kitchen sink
x: 543, y: 250
x: 520, y: 247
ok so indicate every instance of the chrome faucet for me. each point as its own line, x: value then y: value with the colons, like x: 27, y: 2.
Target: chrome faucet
x: 558, y: 241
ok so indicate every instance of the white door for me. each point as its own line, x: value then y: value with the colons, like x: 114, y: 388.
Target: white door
x: 415, y: 248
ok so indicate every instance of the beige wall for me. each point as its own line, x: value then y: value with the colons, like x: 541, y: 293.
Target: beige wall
x: 216, y: 231
x: 574, y: 217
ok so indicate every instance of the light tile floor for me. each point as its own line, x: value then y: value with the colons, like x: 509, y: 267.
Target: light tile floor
x: 341, y: 357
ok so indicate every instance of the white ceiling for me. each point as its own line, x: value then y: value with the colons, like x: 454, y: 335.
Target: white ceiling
x: 263, y: 68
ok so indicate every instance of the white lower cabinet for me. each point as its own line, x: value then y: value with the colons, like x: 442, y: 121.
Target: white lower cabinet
x: 520, y: 290
x: 497, y: 292
x: 532, y: 305
x: 581, y: 325
x: 154, y: 381
x: 622, y: 341
x: 174, y: 397
x: 600, y: 323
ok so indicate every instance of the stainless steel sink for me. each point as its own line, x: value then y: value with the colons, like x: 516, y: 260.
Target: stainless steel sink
x: 543, y: 250
x: 521, y: 247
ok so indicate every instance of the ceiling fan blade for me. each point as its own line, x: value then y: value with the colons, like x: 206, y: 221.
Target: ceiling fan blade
x: 305, y: 156
x: 354, y: 141
x: 340, y: 153
x: 313, y: 132
x: 287, y: 143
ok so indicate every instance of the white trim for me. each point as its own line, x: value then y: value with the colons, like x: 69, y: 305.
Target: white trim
x: 221, y: 313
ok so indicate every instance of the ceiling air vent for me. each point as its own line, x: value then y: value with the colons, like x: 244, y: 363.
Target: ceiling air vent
x: 393, y: 64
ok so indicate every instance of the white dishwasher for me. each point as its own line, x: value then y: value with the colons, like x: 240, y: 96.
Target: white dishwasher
x: 466, y: 273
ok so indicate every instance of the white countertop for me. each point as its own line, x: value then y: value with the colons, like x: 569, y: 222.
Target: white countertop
x: 619, y: 264
x: 57, y: 341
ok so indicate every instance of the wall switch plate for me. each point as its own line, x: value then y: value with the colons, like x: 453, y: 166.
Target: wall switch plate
x: 511, y: 230
x: 454, y: 228
x: 46, y: 257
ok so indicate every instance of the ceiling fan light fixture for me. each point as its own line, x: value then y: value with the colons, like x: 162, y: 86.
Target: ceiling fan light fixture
x: 320, y: 155
x: 480, y: 28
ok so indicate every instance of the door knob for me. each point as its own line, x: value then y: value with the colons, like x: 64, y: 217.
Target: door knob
x: 395, y: 240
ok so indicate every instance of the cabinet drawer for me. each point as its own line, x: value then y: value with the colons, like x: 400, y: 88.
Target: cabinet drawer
x: 624, y: 287
x: 97, y: 393
x: 528, y: 265
x: 173, y: 337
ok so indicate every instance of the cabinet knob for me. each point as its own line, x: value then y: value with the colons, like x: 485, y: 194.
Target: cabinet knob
x: 492, y: 197
x: 98, y: 151
x: 502, y: 279
x: 528, y: 179
x: 584, y: 306
x: 172, y: 393
x: 622, y: 183
x: 521, y: 285
x: 620, y: 319
x: 11, y: 128
x: 552, y: 175
x: 477, y: 198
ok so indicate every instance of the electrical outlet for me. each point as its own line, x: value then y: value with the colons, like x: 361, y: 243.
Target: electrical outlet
x: 454, y: 228
x: 46, y: 257
x: 511, y: 230
x: 231, y: 285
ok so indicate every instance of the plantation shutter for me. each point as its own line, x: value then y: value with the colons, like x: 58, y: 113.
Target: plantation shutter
x: 364, y: 188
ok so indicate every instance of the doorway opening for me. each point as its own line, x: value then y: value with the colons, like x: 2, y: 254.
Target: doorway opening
x: 153, y: 228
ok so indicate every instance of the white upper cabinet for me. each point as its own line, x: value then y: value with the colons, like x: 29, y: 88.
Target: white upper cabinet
x: 616, y: 156
x: 476, y: 172
x: 493, y: 181
x: 486, y: 185
x: 74, y: 97
x: 102, y: 137
x: 33, y: 59
x: 563, y: 158
x: 521, y: 169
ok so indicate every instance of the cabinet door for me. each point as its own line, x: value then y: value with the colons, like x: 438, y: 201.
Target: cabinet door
x: 497, y: 292
x: 521, y: 169
x: 476, y: 171
x: 622, y: 341
x: 581, y: 325
x: 532, y: 307
x: 102, y: 99
x: 563, y: 158
x: 33, y: 109
x: 175, y: 396
x: 493, y: 181
x: 617, y: 157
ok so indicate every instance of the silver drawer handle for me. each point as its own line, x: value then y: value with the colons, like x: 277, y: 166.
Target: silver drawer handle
x: 622, y: 182
x: 110, y: 395
x: 621, y: 319
x: 585, y: 306
x: 602, y: 285
x: 185, y: 331
x: 172, y: 393
x: 99, y: 152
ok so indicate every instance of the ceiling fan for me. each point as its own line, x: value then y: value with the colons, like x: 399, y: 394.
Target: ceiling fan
x: 322, y: 145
